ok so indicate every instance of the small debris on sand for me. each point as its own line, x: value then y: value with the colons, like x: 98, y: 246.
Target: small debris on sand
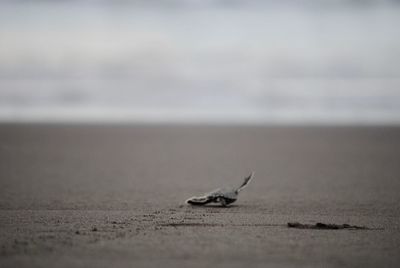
x: 77, y: 232
x: 94, y: 229
x: 325, y: 226
x: 222, y: 196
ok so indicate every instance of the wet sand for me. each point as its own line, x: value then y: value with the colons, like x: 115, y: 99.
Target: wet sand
x: 101, y: 196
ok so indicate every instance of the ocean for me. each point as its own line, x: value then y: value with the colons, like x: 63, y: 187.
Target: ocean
x: 322, y: 62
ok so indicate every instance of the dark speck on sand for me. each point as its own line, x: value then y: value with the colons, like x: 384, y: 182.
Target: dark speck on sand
x: 326, y: 226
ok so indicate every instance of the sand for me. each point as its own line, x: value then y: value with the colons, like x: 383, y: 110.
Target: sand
x: 113, y: 196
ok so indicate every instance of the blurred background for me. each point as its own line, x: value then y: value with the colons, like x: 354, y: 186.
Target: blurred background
x: 196, y: 61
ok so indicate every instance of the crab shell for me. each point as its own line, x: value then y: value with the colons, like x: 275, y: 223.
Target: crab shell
x: 222, y: 196
x: 227, y: 194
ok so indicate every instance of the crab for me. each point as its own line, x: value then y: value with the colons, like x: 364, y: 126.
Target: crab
x: 224, y: 196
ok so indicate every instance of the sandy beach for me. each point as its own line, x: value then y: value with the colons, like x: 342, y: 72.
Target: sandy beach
x: 101, y: 196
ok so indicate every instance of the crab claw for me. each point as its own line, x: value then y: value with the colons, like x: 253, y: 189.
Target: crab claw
x: 198, y: 200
